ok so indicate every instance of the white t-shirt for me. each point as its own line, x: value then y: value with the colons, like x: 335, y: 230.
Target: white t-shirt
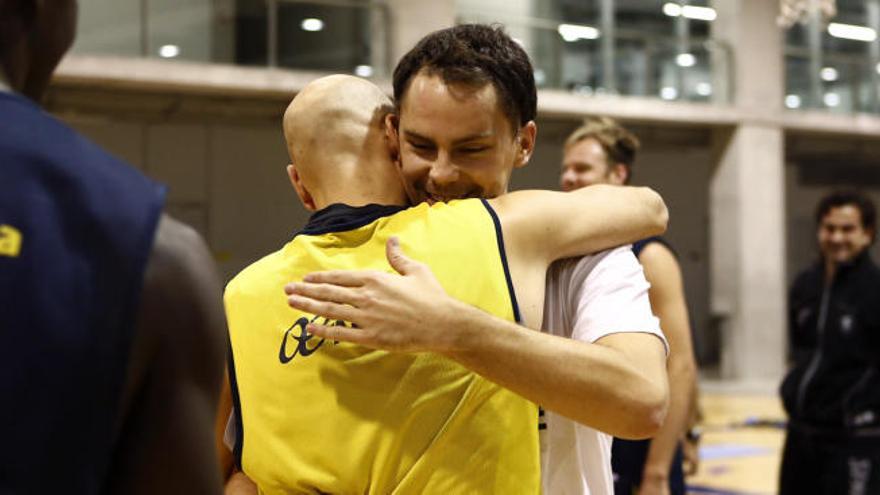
x: 588, y: 298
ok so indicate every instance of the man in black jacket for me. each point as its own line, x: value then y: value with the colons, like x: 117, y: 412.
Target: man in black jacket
x: 832, y: 391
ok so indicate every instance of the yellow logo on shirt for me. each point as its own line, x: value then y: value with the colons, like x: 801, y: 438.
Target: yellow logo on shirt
x: 10, y: 241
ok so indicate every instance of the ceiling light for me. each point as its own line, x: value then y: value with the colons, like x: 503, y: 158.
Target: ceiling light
x: 852, y: 32
x: 669, y: 93
x: 699, y: 13
x: 704, y: 89
x: 169, y: 51
x: 574, y: 32
x: 689, y: 11
x: 829, y: 74
x: 831, y: 99
x: 793, y: 101
x: 686, y: 60
x: 312, y: 24
x: 363, y: 71
x: 672, y: 9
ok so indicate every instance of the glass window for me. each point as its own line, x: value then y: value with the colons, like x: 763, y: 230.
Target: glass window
x: 650, y: 48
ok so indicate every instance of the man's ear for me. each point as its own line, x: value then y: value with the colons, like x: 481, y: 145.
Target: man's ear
x: 300, y: 188
x: 619, y: 174
x: 392, y: 138
x: 525, y: 143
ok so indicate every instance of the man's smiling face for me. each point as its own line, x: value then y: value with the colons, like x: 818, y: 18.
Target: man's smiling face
x: 456, y: 141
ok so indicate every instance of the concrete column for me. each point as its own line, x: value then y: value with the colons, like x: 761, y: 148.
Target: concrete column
x: 747, y: 212
x: 747, y: 238
x: 413, y: 19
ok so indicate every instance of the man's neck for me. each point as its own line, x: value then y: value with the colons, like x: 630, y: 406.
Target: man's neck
x: 832, y: 267
x: 355, y: 191
x: 361, y: 200
x: 830, y: 270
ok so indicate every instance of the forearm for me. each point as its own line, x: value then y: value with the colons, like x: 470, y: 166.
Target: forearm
x: 682, y: 379
x: 592, y: 384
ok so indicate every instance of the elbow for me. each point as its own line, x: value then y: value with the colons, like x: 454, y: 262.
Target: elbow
x: 649, y: 413
x: 659, y: 212
x: 654, y: 415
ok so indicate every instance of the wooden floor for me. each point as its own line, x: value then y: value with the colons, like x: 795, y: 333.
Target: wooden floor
x: 741, y: 446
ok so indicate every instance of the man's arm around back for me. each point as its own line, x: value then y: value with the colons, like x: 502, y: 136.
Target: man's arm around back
x: 617, y: 385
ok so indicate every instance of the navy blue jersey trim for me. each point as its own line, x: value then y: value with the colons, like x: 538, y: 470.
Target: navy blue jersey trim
x: 340, y: 217
x: 501, y: 251
x: 638, y: 246
x: 236, y: 407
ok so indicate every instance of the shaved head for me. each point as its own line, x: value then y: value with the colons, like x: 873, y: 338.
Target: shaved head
x: 333, y: 121
x: 335, y: 134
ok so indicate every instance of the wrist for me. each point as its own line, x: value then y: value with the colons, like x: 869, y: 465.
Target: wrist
x: 458, y: 327
x: 654, y: 473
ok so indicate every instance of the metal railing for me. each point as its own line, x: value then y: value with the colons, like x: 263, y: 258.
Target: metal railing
x: 842, y: 82
x: 225, y: 32
x: 373, y: 8
x: 626, y: 62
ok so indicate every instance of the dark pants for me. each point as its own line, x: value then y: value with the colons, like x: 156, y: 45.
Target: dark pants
x: 628, y: 462
x: 823, y: 464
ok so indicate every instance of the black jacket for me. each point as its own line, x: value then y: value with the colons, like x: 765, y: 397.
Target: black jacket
x: 834, y: 336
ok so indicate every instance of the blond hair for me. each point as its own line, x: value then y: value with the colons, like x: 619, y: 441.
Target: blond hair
x: 619, y: 144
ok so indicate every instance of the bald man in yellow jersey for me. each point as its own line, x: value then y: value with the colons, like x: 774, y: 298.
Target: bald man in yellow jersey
x: 317, y: 416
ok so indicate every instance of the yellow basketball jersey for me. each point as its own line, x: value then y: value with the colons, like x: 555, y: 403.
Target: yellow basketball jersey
x: 317, y: 416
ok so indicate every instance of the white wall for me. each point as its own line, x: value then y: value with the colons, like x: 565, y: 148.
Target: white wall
x: 227, y: 181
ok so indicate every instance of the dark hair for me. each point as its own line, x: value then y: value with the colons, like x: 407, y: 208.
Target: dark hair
x: 619, y: 144
x: 475, y: 54
x: 838, y: 199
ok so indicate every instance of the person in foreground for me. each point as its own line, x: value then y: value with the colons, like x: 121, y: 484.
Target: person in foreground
x: 601, y: 151
x: 832, y: 390
x: 313, y: 414
x: 112, y: 330
x: 466, y: 105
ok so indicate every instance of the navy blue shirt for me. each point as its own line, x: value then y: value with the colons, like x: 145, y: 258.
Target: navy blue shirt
x: 76, y: 230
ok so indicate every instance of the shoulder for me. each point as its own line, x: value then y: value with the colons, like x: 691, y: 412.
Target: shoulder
x: 873, y: 269
x: 474, y: 210
x: 44, y: 156
x: 594, y: 271
x: 263, y: 270
x: 180, y: 316
x: 181, y: 284
x: 639, y: 245
x: 808, y: 279
x: 659, y: 262
x: 42, y: 139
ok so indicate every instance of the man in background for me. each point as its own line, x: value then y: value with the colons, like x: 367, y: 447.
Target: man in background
x: 603, y: 152
x: 110, y: 316
x: 832, y: 390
